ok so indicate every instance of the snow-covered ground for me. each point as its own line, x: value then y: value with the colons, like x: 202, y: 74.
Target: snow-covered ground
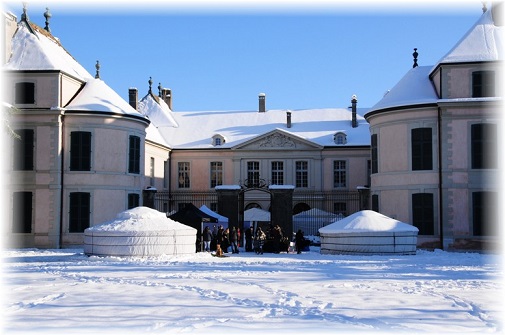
x: 66, y: 292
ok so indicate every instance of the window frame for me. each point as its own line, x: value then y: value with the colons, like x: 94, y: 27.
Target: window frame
x: 216, y: 173
x: 421, y: 149
x: 483, y: 84
x: 483, y: 146
x: 22, y: 209
x: 24, y: 93
x: 134, y: 146
x: 79, y: 213
x: 24, y: 150
x: 423, y: 212
x: 80, y: 150
x: 302, y: 173
x: 277, y: 172
x: 183, y: 175
x: 339, y: 173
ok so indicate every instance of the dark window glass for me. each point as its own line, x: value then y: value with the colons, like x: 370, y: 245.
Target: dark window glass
x: 79, y: 211
x: 277, y: 173
x: 423, y: 213
x: 253, y: 174
x: 484, y: 140
x: 375, y: 202
x: 25, y: 93
x: 23, y: 150
x: 483, y: 84
x: 133, y: 200
x: 422, y: 149
x: 184, y: 173
x: 216, y: 174
x: 484, y: 208
x: 80, y: 151
x: 375, y: 165
x: 134, y: 155
x: 22, y: 212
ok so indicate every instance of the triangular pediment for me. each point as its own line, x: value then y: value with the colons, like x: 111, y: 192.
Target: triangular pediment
x: 277, y: 139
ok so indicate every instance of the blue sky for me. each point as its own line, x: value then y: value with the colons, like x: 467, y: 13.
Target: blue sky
x: 220, y: 57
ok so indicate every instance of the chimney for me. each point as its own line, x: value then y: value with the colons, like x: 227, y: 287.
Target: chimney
x: 288, y: 119
x: 354, y: 101
x: 166, y: 95
x: 261, y: 98
x: 133, y: 96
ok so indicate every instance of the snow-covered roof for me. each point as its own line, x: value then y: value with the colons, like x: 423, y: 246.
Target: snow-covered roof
x: 41, y: 51
x: 482, y: 43
x: 96, y: 96
x: 157, y: 111
x: 367, y: 221
x: 196, y: 128
x: 415, y: 88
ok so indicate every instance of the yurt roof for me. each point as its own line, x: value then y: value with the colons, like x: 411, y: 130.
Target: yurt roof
x: 140, y: 219
x: 367, y: 221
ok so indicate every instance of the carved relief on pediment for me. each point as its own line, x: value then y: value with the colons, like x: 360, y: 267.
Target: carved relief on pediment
x: 277, y: 141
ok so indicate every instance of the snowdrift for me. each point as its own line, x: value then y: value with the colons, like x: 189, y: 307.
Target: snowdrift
x: 368, y: 232
x: 140, y: 231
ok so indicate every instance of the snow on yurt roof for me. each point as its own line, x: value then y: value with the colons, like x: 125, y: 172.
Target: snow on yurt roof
x: 482, y: 43
x: 96, y: 96
x: 140, y: 219
x: 41, y: 51
x: 367, y: 221
x: 196, y: 128
x: 415, y: 88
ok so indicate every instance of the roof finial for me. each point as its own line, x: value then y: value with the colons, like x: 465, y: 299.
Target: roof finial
x: 97, y: 67
x: 24, y: 16
x: 484, y: 7
x: 415, y: 54
x: 47, y: 15
x: 150, y: 85
x: 159, y: 90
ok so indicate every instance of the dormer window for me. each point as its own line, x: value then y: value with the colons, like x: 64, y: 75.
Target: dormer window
x: 340, y: 138
x: 218, y: 140
x: 25, y: 93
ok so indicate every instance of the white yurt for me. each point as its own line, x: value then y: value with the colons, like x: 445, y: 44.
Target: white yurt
x: 368, y: 233
x: 140, y: 231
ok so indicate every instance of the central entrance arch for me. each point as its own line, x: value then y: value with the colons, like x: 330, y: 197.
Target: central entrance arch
x: 230, y: 203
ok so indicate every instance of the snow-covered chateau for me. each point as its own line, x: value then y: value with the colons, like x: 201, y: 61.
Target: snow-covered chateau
x: 84, y: 154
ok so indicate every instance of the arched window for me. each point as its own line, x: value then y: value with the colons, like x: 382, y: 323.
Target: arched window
x: 218, y: 140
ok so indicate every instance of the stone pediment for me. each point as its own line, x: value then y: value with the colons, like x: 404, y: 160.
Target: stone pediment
x: 277, y: 140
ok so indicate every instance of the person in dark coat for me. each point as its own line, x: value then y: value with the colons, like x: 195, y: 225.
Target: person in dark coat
x: 299, y: 241
x: 234, y: 240
x: 276, y: 239
x: 226, y: 240
x: 249, y: 234
x: 207, y: 238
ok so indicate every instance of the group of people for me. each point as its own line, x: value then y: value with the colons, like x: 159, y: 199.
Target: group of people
x: 224, y: 238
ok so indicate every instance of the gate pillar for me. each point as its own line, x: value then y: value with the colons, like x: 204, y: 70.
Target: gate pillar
x: 282, y: 208
x: 228, y: 203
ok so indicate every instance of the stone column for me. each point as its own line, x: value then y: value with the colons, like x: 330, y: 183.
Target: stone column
x: 282, y: 208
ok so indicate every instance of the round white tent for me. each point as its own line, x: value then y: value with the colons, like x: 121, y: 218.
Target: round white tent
x: 140, y: 231
x: 368, y: 232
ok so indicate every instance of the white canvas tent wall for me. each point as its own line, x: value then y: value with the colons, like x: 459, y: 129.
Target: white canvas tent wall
x: 310, y: 221
x: 140, y: 231
x: 368, y: 232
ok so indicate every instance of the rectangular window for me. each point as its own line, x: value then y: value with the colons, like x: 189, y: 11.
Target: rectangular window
x: 79, y: 211
x: 133, y: 200
x: 23, y: 150
x: 483, y: 84
x: 277, y: 173
x: 375, y: 165
x: 22, y: 203
x: 423, y: 213
x: 184, y: 170
x: 253, y: 174
x: 339, y: 174
x: 422, y: 149
x: 25, y: 93
x: 165, y: 174
x: 340, y: 208
x: 375, y: 202
x: 216, y: 174
x: 151, y: 171
x: 80, y: 151
x: 484, y: 142
x: 302, y: 173
x: 483, y: 209
x: 134, y: 155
